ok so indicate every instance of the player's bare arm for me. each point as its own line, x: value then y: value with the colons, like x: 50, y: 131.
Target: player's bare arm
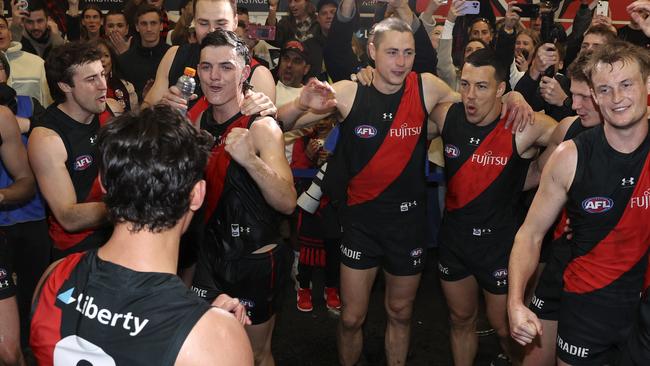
x: 48, y: 156
x: 548, y: 202
x: 260, y: 151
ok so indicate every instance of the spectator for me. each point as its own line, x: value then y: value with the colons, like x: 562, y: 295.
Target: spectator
x: 183, y: 31
x: 140, y: 62
x: 300, y: 24
x: 116, y: 29
x: 87, y: 25
x: 34, y: 29
x: 167, y: 24
x: 27, y: 70
x: 633, y: 33
x: 482, y: 29
x: 118, y: 90
x: 595, y: 36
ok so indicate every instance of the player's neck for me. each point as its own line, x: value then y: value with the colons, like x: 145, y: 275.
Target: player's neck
x: 492, y: 116
x: 74, y: 111
x: 627, y: 140
x: 143, y: 251
x: 224, y: 112
x: 383, y: 87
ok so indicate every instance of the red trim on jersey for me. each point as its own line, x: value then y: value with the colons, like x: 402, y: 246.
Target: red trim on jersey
x: 472, y: 178
x: 623, y: 247
x: 559, y: 228
x: 388, y: 163
x: 218, y: 163
x: 197, y: 109
x: 46, y: 322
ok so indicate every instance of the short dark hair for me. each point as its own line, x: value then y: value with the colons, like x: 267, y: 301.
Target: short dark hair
x: 386, y: 25
x: 5, y: 19
x: 577, y: 70
x: 478, y: 20
x: 150, y: 162
x: 222, y: 37
x: 242, y: 10
x: 61, y: 62
x: 487, y: 57
x: 146, y: 8
x: 116, y: 12
x: 619, y: 51
x: 603, y: 31
x: 91, y: 7
x: 36, y: 5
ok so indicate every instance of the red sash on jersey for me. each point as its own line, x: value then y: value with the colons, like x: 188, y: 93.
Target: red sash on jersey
x: 619, y: 251
x: 559, y: 228
x: 472, y: 178
x: 395, y: 152
x: 218, y: 163
x: 197, y: 109
x: 63, y: 239
x: 46, y: 322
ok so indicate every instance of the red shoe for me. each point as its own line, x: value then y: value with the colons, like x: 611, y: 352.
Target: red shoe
x: 332, y: 298
x: 303, y: 301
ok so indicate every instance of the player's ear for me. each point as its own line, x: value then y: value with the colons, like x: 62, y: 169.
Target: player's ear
x: 197, y: 195
x: 501, y: 89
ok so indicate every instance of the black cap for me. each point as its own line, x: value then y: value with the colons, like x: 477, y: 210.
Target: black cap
x: 322, y: 3
x: 297, y: 47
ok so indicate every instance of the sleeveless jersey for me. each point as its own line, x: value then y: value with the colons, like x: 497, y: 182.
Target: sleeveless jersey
x: 574, y: 130
x: 485, y: 174
x: 238, y: 218
x: 80, y: 144
x: 188, y: 55
x: 33, y: 209
x: 93, y: 310
x: 608, y: 205
x: 381, y: 153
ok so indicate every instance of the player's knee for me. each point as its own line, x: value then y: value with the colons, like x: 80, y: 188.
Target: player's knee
x: 400, y: 311
x: 351, y: 320
x: 463, y: 319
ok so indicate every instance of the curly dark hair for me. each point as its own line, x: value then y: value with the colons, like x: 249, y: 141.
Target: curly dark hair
x: 62, y: 61
x: 150, y: 162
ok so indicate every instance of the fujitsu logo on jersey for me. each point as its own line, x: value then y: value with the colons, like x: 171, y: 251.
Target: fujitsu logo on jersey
x: 452, y: 151
x: 404, y: 131
x: 597, y: 204
x: 642, y: 202
x: 365, y: 131
x: 487, y: 159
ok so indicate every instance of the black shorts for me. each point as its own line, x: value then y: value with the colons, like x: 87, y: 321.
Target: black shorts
x: 399, y: 246
x: 546, y: 300
x: 637, y: 350
x: 590, y: 333
x: 7, y: 285
x: 468, y: 252
x: 257, y: 280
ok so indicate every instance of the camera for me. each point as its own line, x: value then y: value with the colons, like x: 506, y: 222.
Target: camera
x: 309, y: 200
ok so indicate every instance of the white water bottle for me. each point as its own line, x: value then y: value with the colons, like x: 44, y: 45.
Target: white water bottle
x: 186, y: 84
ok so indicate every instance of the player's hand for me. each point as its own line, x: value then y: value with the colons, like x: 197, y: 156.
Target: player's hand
x: 639, y: 11
x: 258, y: 103
x: 173, y: 98
x: 120, y: 44
x: 551, y: 91
x: 233, y: 306
x: 239, y: 144
x: 519, y: 112
x: 318, y: 96
x: 524, y: 325
x: 365, y: 76
x: 511, y: 17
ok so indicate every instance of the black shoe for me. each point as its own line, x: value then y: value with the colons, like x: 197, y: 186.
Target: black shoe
x: 501, y: 360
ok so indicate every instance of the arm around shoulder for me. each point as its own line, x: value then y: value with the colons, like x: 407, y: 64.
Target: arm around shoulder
x: 216, y: 339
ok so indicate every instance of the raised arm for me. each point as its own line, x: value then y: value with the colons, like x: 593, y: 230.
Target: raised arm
x: 260, y: 151
x: 317, y: 100
x: 549, y: 200
x: 14, y: 158
x: 47, y: 155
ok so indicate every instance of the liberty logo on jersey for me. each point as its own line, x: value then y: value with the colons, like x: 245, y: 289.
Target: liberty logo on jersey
x: 85, y: 306
x: 365, y: 131
x: 83, y: 162
x: 597, y: 204
x: 451, y: 151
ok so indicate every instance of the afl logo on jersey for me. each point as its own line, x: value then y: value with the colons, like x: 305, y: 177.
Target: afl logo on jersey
x: 452, y: 151
x: 249, y: 304
x: 83, y: 162
x: 597, y: 204
x: 417, y: 252
x: 365, y: 131
x: 500, y: 274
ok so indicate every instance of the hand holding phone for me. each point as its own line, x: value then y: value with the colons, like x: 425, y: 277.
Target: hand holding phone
x: 470, y: 7
x: 602, y: 8
x: 265, y: 32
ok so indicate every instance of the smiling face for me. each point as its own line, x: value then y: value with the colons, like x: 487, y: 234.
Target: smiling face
x: 394, y: 57
x: 222, y: 73
x: 620, y: 92
x: 525, y: 43
x: 481, y: 30
x: 212, y: 15
x: 36, y: 24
